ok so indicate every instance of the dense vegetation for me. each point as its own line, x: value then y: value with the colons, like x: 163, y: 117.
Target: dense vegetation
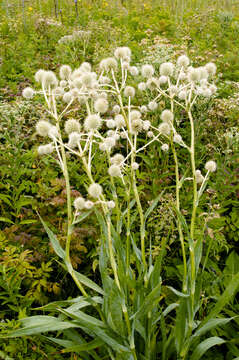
x: 36, y: 36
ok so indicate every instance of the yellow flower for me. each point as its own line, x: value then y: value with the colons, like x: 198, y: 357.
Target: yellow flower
x: 30, y: 8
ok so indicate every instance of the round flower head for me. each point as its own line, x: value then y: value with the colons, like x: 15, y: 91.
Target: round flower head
x: 129, y: 91
x: 135, y: 166
x: 182, y: 95
x: 79, y: 203
x: 49, y: 79
x: 92, y: 122
x: 119, y: 121
x: 125, y: 65
x: 213, y: 88
x: 116, y: 109
x: 95, y: 190
x: 101, y: 105
x: 110, y: 142
x: 150, y: 134
x: 58, y: 91
x: 45, y: 149
x: 28, y: 93
x: 114, y: 170
x: 117, y: 159
x: 194, y: 74
x: 122, y: 53
x: 173, y: 90
x: 110, y: 124
x: 142, y: 86
x: 203, y: 73
x: 163, y: 80
x: 104, y: 80
x: 108, y: 64
x: 211, y: 166
x: 206, y: 92
x: 183, y: 61
x: 177, y: 138
x: 211, y: 68
x: 74, y: 139
x: 165, y: 147
x: 111, y: 204
x: 164, y: 128
x: 147, y: 71
x: 135, y: 114
x: 85, y: 67
x: 43, y: 127
x: 72, y: 125
x: 134, y: 70
x: 152, y: 83
x: 67, y: 97
x: 167, y: 116
x: 39, y: 75
x: 87, y: 79
x: 146, y: 125
x: 199, y: 177
x: 53, y: 132
x: 89, y: 205
x: 143, y: 109
x: 65, y: 72
x: 152, y: 105
x: 136, y: 126
x: 166, y: 69
x: 102, y: 95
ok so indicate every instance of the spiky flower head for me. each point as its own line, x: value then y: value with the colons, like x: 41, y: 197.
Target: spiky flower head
x: 147, y: 71
x: 43, y: 127
x: 45, y: 149
x: 92, y: 122
x: 72, y: 125
x: 135, y: 166
x: 101, y: 105
x: 165, y: 147
x: 136, y: 126
x: 194, y: 74
x: 183, y: 61
x: 123, y: 53
x: 166, y: 69
x: 163, y: 80
x: 142, y: 86
x: 164, y: 128
x: 134, y: 70
x: 74, y: 139
x: 117, y: 159
x: 129, y: 91
x: 79, y: 203
x: 39, y: 75
x: 49, y: 79
x: 114, y: 170
x: 211, y: 68
x: 211, y: 166
x: 182, y: 95
x: 67, y: 97
x: 199, y: 177
x: 28, y: 93
x: 119, y: 120
x: 108, y: 64
x: 95, y: 190
x: 87, y: 79
x: 152, y: 105
x: 167, y: 116
x: 65, y: 72
x: 135, y: 114
x: 111, y: 204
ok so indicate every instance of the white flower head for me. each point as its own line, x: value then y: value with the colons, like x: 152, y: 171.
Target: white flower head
x: 129, y: 91
x: 114, y: 170
x: 143, y: 109
x: 65, y: 72
x: 166, y: 69
x: 163, y: 80
x: 87, y: 79
x: 164, y: 147
x: 182, y: 95
x: 211, y: 68
x: 74, y: 139
x: 110, y: 204
x: 116, y: 109
x: 72, y: 125
x: 79, y: 203
x: 110, y: 124
x: 150, y: 134
x: 43, y: 127
x: 183, y: 61
x: 194, y: 74
x: 85, y: 67
x: 119, y: 120
x: 101, y: 105
x: 122, y: 53
x: 211, y: 166
x: 67, y: 97
x: 108, y: 64
x: 142, y: 86
x: 95, y: 190
x: 39, y: 75
x: 53, y: 132
x: 146, y: 125
x: 134, y: 70
x: 28, y: 93
x: 135, y: 114
x: 164, y: 128
x: 199, y: 177
x: 167, y: 116
x: 147, y: 71
x: 49, y: 79
x: 89, y: 204
x: 135, y: 166
x: 45, y: 149
x: 92, y: 122
x: 136, y: 126
x: 117, y: 159
x: 152, y: 105
x: 177, y: 138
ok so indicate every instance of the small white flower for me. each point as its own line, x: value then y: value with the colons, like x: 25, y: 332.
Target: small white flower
x: 143, y: 109
x: 53, y: 132
x: 72, y: 125
x: 183, y: 61
x: 95, y: 190
x: 79, y: 203
x: 182, y: 95
x: 163, y: 79
x: 43, y: 127
x: 173, y: 90
x: 122, y: 53
x: 135, y: 166
x: 110, y: 124
x: 85, y: 67
x: 92, y: 122
x: 194, y: 74
x: 117, y: 159
x: 199, y: 177
x: 101, y: 105
x: 147, y: 71
x: 146, y: 125
x: 152, y: 105
x: 67, y: 97
x: 150, y: 134
x: 39, y: 75
x: 211, y: 68
x: 45, y: 149
x: 165, y: 147
x: 167, y: 116
x: 166, y: 69
x: 129, y: 91
x: 65, y: 72
x: 89, y: 205
x: 177, y: 138
x: 134, y: 70
x: 135, y: 114
x: 111, y: 204
x: 74, y: 139
x: 211, y: 166
x: 49, y: 79
x: 114, y: 170
x: 164, y: 128
x: 203, y: 73
x: 108, y: 64
x: 28, y: 93
x: 116, y: 109
x: 142, y: 86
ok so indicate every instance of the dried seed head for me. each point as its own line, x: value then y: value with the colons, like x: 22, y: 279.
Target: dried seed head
x: 117, y: 159
x: 74, y: 139
x: 49, y: 79
x: 183, y: 61
x: 39, y: 75
x: 163, y: 79
x: 122, y: 53
x: 167, y: 116
x: 134, y: 70
x: 119, y: 120
x: 116, y: 109
x: 108, y: 64
x: 129, y: 91
x: 211, y: 68
x: 199, y: 177
x: 164, y: 128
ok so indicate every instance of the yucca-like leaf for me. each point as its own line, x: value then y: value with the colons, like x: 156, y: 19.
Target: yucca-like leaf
x: 206, y: 345
x: 212, y: 324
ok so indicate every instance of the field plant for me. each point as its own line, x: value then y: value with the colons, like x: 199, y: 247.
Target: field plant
x: 119, y: 116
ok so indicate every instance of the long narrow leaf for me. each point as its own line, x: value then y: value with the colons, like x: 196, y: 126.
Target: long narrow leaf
x: 205, y: 345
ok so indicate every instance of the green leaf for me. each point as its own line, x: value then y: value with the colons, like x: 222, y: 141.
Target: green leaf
x: 37, y: 324
x: 29, y: 221
x: 5, y: 356
x: 178, y: 293
x: 4, y: 219
x: 5, y: 198
x: 181, y: 321
x: 82, y: 217
x: 89, y: 283
x: 54, y: 241
x: 211, y: 324
x: 205, y: 345
x: 84, y: 347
